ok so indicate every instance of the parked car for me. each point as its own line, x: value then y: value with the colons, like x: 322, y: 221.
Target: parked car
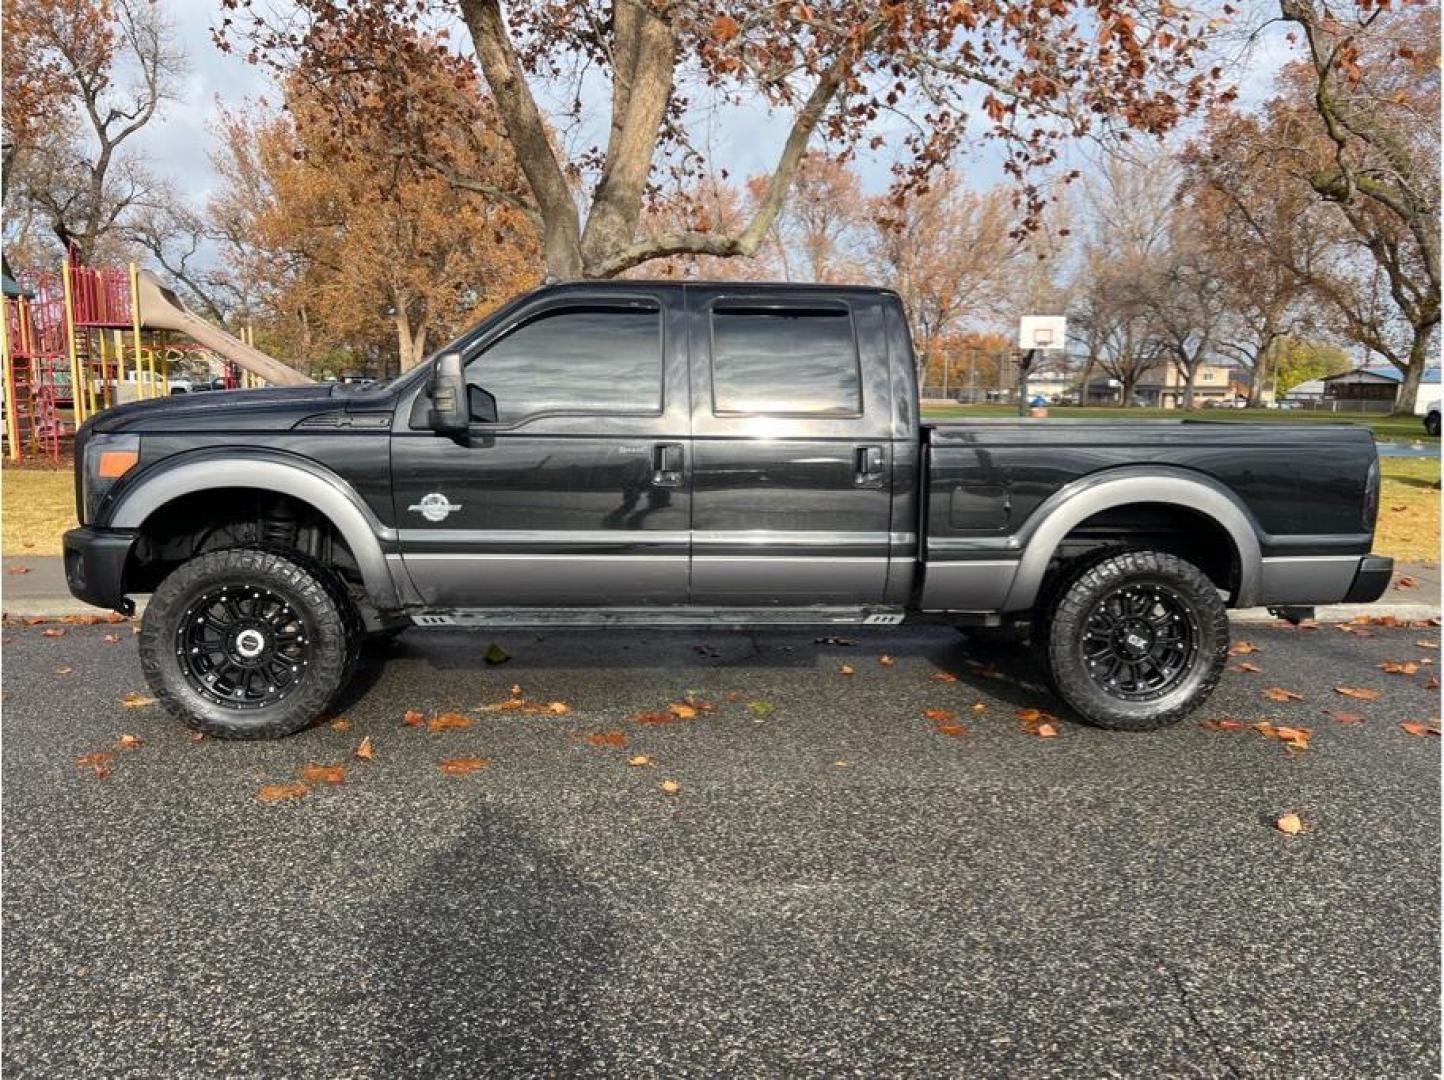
x: 664, y: 454
x: 1431, y: 420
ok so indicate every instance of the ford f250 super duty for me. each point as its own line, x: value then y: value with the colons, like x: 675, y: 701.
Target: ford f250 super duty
x: 664, y: 454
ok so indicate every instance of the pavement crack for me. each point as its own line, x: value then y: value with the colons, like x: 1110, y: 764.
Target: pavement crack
x: 1185, y: 997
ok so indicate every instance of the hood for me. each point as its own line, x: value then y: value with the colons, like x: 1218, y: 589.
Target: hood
x: 271, y: 409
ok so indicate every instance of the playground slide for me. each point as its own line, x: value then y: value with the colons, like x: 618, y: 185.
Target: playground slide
x: 162, y: 309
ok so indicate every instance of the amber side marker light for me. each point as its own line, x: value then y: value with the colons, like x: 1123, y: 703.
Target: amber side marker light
x: 116, y: 463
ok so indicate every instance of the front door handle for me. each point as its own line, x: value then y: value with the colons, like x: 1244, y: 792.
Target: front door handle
x: 667, y: 464
x: 868, y: 466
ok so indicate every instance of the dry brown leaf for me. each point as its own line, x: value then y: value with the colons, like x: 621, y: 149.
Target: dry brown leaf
x: 94, y: 759
x: 1046, y: 731
x: 682, y: 710
x: 64, y: 670
x: 956, y: 731
x: 53, y: 631
x: 1414, y: 727
x: 1357, y: 692
x: 414, y: 718
x: 979, y: 707
x: 938, y: 715
x: 1276, y: 693
x: 281, y: 792
x: 1242, y: 648
x: 1406, y: 582
x: 1398, y: 667
x: 842, y: 764
x: 448, y: 721
x: 34, y: 620
x: 886, y: 661
x: 944, y: 676
x: 639, y: 761
x: 558, y: 708
x: 1426, y: 644
x: 134, y: 700
x: 1222, y: 724
x: 111, y: 639
x: 516, y: 690
x: 366, y: 752
x: 1030, y: 716
x: 846, y: 669
x: 1432, y: 683
x: 671, y: 787
x: 1290, y: 824
x: 324, y: 774
x: 1244, y: 667
x: 607, y: 738
x: 653, y: 718
x: 340, y: 724
x: 1346, y: 717
x: 18, y: 570
x: 130, y: 742
x: 460, y: 766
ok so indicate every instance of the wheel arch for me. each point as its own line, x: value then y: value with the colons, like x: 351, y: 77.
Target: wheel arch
x: 1093, y: 495
x: 330, y: 496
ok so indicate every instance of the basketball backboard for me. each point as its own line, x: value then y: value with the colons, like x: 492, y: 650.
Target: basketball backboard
x: 1043, y: 332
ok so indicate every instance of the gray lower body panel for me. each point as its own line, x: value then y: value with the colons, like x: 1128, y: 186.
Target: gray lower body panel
x: 1307, y: 579
x: 967, y: 586
x: 659, y: 616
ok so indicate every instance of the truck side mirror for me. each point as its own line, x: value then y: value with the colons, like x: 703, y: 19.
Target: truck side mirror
x: 449, y: 412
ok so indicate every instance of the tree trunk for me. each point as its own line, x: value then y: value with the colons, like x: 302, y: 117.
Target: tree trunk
x: 1408, y: 396
x: 1190, y: 375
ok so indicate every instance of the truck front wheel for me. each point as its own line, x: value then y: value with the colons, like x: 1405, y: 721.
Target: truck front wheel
x: 1135, y: 640
x: 248, y: 643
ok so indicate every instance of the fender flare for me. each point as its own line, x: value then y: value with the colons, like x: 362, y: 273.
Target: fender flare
x: 1070, y: 506
x: 320, y: 488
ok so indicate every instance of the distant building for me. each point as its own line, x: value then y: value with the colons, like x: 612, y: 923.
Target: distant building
x: 1162, y: 387
x: 1376, y: 388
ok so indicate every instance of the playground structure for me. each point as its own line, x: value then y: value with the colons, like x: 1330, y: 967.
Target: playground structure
x: 86, y: 338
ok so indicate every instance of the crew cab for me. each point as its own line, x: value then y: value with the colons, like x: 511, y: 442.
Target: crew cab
x: 661, y: 453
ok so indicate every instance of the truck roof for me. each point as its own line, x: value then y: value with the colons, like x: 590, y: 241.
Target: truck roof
x: 623, y: 284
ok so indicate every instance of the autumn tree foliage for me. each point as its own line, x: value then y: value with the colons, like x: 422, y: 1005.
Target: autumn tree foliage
x: 345, y: 248
x: 1027, y: 74
x: 81, y: 78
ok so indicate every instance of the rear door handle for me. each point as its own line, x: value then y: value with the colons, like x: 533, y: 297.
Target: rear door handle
x: 867, y: 466
x: 667, y: 465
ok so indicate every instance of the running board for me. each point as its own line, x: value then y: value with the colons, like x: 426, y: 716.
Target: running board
x: 659, y: 616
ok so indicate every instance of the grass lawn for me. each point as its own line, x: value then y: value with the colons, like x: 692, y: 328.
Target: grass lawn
x: 39, y: 505
x: 1386, y: 428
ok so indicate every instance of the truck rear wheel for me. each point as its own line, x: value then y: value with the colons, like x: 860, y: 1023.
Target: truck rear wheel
x: 1135, y: 640
x: 247, y: 643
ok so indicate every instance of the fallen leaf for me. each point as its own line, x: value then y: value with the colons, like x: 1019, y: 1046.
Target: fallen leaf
x: 129, y: 742
x: 886, y: 661
x: 1290, y: 824
x: 671, y: 787
x: 95, y: 760
x: 1427, y: 644
x: 340, y: 724
x: 846, y: 669
x: 64, y: 670
x: 133, y: 700
x: 365, y: 751
x: 460, y: 766
x: 324, y: 774
x: 495, y: 654
x: 938, y: 715
x: 1432, y: 683
x: 1275, y: 693
x: 18, y: 570
x: 1345, y: 717
x: 1414, y: 727
x: 1244, y: 667
x: 558, y: 708
x: 1396, y: 667
x: 653, y: 718
x: 733, y: 696
x: 978, y: 707
x: 1046, y: 731
x: 413, y: 718
x: 280, y: 792
x: 516, y: 689
x: 607, y: 738
x: 1030, y: 716
x: 842, y: 764
x: 34, y: 620
x: 1292, y: 736
x: 1242, y: 648
x: 54, y: 631
x: 447, y: 721
x: 1356, y: 692
x: 761, y: 709
x: 682, y: 710
x: 111, y: 639
x: 944, y: 676
x: 1404, y: 581
x: 639, y: 761
x: 956, y: 731
x: 1222, y: 724
x: 197, y: 736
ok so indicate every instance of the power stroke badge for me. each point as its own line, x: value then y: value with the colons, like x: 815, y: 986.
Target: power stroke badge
x: 435, y: 507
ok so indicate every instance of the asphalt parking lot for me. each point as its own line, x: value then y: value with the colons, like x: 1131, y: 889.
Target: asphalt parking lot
x: 835, y: 887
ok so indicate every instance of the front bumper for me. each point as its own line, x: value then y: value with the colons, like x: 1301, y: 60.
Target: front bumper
x: 95, y: 566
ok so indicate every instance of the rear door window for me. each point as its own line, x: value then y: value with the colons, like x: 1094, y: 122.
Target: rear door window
x: 788, y: 360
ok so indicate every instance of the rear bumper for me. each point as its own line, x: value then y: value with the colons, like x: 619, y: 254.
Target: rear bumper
x: 1370, y: 580
x: 95, y: 566
x: 1325, y: 579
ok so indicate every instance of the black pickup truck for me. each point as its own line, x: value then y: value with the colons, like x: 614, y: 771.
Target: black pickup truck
x: 641, y: 453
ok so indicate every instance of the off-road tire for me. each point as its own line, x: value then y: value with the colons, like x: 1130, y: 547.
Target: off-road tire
x: 310, y: 589
x: 1431, y: 424
x: 1060, y: 634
